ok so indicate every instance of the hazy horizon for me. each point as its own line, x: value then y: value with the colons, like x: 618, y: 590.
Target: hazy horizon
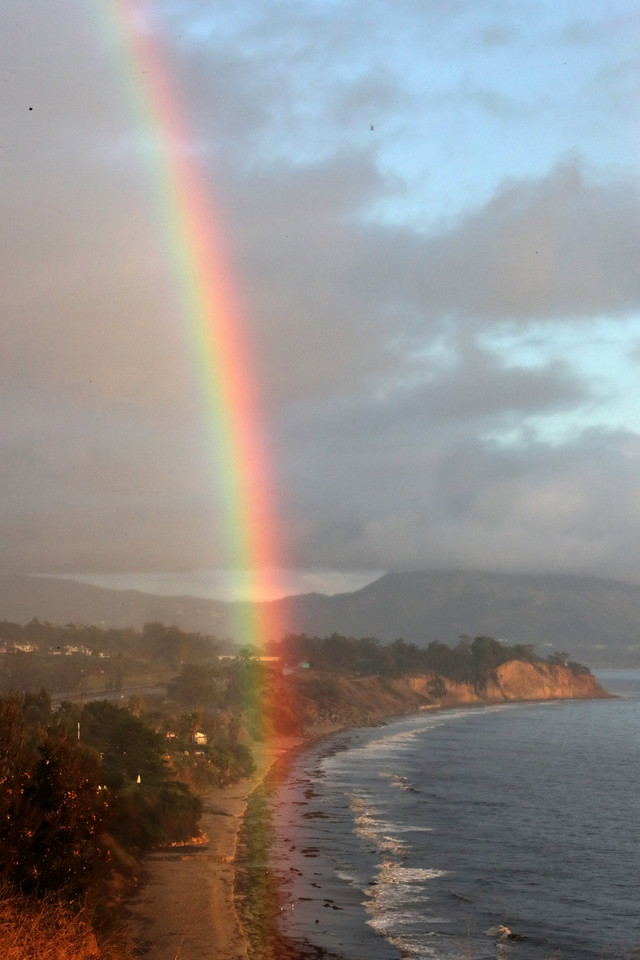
x: 227, y: 587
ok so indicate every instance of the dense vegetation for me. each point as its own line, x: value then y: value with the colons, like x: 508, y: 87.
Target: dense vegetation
x: 87, y: 788
x: 470, y: 661
x: 74, y: 805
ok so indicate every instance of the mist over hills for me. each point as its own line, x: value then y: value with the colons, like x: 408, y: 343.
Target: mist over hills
x: 596, y: 621
x: 66, y: 601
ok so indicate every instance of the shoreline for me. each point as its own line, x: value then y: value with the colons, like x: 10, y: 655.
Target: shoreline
x: 260, y: 890
x: 186, y: 908
x: 194, y: 903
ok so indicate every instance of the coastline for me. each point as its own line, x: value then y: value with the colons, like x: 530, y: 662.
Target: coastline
x: 186, y: 908
x: 257, y: 888
x: 217, y: 900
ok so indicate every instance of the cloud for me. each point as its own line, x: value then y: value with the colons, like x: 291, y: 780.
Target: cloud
x: 561, y: 247
x: 399, y: 478
x: 471, y: 505
x: 341, y: 303
x: 404, y: 433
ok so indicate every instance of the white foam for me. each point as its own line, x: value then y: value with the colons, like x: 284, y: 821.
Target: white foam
x: 387, y: 927
x: 394, y: 873
x: 397, y: 780
x: 392, y: 899
x: 375, y: 831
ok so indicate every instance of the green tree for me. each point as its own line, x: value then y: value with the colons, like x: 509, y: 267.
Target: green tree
x: 486, y: 655
x: 36, y: 708
x: 559, y: 658
x: 197, y: 686
x: 523, y: 651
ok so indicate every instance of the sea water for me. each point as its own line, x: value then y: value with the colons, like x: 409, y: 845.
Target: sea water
x: 425, y: 836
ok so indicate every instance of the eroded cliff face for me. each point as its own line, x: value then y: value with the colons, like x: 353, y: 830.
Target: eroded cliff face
x: 517, y: 680
x: 356, y: 701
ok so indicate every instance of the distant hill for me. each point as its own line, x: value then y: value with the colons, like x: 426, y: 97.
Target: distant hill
x: 66, y: 601
x: 596, y: 621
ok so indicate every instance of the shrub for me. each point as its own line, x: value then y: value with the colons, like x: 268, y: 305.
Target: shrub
x: 143, y: 817
x: 57, y: 835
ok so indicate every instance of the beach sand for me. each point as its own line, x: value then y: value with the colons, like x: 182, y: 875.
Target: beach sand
x: 186, y: 908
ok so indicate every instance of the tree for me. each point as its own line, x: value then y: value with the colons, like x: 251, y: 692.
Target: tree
x: 439, y: 658
x: 66, y: 719
x: 197, y: 686
x: 437, y: 687
x: 523, y: 651
x: 52, y: 811
x: 189, y: 724
x: 487, y: 653
x: 36, y: 708
x: 136, y: 705
x: 559, y: 658
x: 128, y: 747
x: 62, y: 843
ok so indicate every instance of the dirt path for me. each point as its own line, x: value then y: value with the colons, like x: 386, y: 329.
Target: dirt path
x: 186, y: 910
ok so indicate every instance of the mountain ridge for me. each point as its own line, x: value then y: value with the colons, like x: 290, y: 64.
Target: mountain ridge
x: 595, y: 619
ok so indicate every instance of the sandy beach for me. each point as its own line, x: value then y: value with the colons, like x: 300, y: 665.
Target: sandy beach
x: 186, y: 908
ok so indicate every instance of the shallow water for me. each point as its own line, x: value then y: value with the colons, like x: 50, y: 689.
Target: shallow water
x: 418, y: 837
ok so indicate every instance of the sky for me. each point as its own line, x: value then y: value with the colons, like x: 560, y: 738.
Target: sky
x: 432, y: 215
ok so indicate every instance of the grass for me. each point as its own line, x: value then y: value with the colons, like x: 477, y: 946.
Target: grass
x: 47, y: 930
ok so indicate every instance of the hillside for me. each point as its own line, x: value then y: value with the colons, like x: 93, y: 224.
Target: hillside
x: 597, y: 621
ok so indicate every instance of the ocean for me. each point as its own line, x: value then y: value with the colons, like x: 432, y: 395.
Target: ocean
x: 423, y: 837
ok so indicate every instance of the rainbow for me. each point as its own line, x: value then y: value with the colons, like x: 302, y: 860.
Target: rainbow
x: 210, y: 312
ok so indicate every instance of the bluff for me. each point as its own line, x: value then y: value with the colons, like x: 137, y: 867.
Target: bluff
x: 516, y: 680
x: 519, y: 680
x: 330, y: 700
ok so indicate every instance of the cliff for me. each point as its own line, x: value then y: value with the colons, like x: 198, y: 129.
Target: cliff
x: 516, y: 680
x: 328, y: 699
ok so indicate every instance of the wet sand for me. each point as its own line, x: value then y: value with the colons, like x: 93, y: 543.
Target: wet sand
x: 186, y: 909
x: 314, y: 902
x: 262, y: 886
